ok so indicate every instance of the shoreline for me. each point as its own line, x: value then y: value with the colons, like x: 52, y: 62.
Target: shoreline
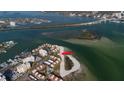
x: 76, y: 66
x: 80, y: 69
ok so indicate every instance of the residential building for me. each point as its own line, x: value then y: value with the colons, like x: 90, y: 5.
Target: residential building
x: 23, y: 67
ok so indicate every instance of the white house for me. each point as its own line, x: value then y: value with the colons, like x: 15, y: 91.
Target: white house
x: 23, y: 67
x: 28, y: 59
x: 43, y: 52
x: 12, y: 24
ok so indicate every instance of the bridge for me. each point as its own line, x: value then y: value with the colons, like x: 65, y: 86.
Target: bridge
x: 54, y: 26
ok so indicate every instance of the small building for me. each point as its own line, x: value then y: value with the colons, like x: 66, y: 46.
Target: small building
x: 34, y: 71
x: 43, y: 52
x: 32, y: 77
x: 53, y: 77
x: 23, y: 67
x: 41, y: 67
x: 37, y: 75
x: 47, y: 63
x: 28, y: 59
x: 12, y: 24
x: 51, y: 61
x: 41, y: 77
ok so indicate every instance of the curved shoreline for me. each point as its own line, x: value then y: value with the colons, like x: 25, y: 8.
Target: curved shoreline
x: 76, y: 66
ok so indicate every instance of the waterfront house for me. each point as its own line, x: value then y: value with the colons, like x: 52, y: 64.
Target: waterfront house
x: 23, y: 67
